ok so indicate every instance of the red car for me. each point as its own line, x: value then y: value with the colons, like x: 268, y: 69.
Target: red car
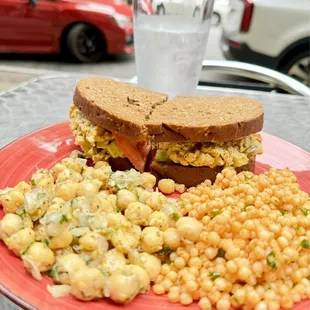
x: 86, y: 29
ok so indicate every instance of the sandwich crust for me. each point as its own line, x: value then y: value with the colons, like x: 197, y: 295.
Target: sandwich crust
x: 191, y: 176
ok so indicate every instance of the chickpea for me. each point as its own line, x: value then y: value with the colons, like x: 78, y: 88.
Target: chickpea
x: 124, y: 198
x: 10, y: 224
x: 166, y: 186
x: 149, y: 262
x: 102, y: 173
x: 189, y: 228
x: 149, y: 180
x: 20, y: 241
x: 68, y: 264
x: 172, y: 238
x: 11, y: 200
x: 159, y: 220
x: 42, y: 255
x: 22, y: 187
x: 42, y: 178
x: 69, y: 175
x: 88, y: 187
x: 57, y: 169
x: 152, y: 239
x: 123, y: 285
x: 66, y: 191
x: 62, y: 241
x: 143, y: 195
x: 156, y: 201
x: 75, y: 163
x: 143, y: 278
x: 137, y: 213
x: 89, y: 242
x: 87, y: 283
x: 123, y: 241
x: 116, y: 219
x: 113, y: 260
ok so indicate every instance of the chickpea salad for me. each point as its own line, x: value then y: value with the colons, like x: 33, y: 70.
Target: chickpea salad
x: 242, y: 242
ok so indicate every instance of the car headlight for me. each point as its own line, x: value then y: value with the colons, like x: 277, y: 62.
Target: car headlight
x: 122, y: 20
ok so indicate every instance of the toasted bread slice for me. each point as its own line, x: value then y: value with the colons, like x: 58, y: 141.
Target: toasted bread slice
x: 205, y: 119
x: 191, y: 176
x: 115, y: 106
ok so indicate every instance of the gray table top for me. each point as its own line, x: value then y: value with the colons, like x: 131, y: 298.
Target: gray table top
x: 45, y: 101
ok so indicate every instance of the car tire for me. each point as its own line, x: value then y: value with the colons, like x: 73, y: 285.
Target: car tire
x: 160, y: 10
x: 216, y: 19
x: 298, y: 67
x: 86, y: 43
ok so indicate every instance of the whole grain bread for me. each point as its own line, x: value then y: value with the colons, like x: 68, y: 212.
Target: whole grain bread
x: 191, y: 176
x: 118, y: 107
x: 138, y: 113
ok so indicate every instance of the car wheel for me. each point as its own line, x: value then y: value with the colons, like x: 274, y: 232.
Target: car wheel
x: 160, y: 10
x: 85, y: 43
x: 216, y: 19
x: 298, y: 67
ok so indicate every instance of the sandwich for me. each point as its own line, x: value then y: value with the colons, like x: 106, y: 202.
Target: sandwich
x: 188, y: 139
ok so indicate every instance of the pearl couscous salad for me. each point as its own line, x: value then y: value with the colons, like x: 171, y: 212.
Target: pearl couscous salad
x: 243, y: 242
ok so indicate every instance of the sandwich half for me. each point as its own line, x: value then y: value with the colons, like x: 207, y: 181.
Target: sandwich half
x: 107, y: 119
x: 188, y: 139
x: 196, y: 137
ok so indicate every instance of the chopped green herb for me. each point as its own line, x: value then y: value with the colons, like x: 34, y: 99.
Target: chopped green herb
x: 46, y: 242
x: 52, y: 273
x: 181, y: 205
x: 283, y: 212
x: 305, y: 211
x: 305, y: 243
x: 63, y: 219
x: 221, y: 253
x: 118, y: 210
x: 106, y: 273
x: 246, y: 178
x: 175, y: 216
x: 213, y: 214
x: 32, y: 182
x: 165, y: 251
x: 214, y: 275
x: 271, y: 260
x: 244, y: 209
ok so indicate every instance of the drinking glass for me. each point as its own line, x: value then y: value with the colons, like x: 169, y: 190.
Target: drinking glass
x: 170, y: 41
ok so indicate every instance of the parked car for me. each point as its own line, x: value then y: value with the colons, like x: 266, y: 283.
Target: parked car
x: 85, y: 29
x: 274, y: 34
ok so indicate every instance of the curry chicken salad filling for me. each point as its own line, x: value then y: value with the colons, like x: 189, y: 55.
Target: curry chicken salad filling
x: 96, y: 142
x: 227, y: 154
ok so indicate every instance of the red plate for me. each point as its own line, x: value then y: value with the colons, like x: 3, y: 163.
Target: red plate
x: 43, y: 149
